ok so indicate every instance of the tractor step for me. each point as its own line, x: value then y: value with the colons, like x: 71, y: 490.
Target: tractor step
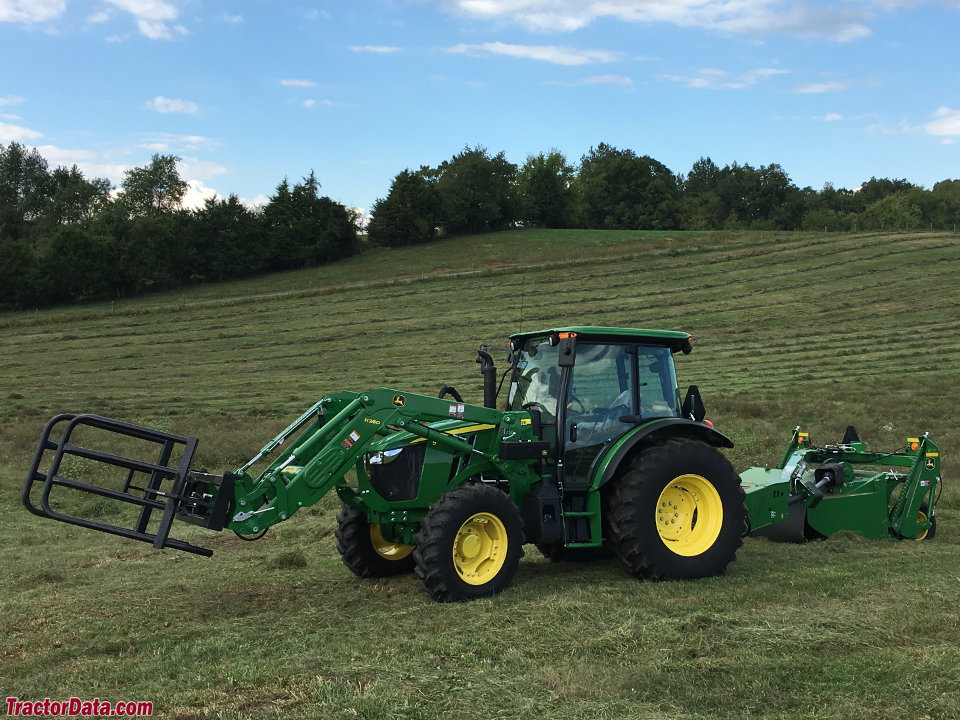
x: 581, y: 516
x: 153, y: 477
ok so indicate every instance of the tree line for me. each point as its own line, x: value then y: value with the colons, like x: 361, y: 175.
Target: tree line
x: 617, y: 189
x: 67, y: 238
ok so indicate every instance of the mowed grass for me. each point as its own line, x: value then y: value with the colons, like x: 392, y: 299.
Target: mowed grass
x: 817, y: 330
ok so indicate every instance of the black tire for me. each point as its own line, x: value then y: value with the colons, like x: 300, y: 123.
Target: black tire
x: 810, y: 534
x: 925, y: 515
x: 358, y: 543
x: 696, y: 485
x: 469, y: 545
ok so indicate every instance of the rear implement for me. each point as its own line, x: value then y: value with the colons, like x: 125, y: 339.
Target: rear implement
x: 816, y: 492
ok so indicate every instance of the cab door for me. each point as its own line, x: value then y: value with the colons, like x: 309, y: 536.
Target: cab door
x: 601, y: 389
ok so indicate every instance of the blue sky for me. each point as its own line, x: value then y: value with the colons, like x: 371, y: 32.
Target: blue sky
x: 250, y: 92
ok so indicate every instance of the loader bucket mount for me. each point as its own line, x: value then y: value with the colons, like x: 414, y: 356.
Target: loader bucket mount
x: 155, y: 477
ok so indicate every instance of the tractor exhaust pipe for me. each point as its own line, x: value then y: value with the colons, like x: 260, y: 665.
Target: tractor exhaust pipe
x: 489, y: 371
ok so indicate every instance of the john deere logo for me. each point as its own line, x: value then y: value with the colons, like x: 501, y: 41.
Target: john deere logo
x: 399, y: 400
x: 930, y: 464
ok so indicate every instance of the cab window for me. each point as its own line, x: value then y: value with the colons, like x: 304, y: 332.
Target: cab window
x: 536, y: 379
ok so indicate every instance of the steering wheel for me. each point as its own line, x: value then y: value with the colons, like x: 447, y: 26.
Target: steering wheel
x: 571, y: 398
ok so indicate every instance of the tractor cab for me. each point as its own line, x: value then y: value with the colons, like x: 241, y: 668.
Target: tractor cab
x: 590, y: 385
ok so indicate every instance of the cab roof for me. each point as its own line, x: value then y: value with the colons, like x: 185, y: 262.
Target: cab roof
x: 667, y: 338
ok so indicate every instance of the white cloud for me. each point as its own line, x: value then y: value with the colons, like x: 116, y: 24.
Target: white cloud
x: 10, y: 100
x: 383, y: 49
x: 167, y: 106
x: 104, y: 163
x: 621, y: 80
x: 556, y: 54
x: 200, y: 169
x: 31, y: 11
x: 821, y: 87
x: 325, y: 102
x: 231, y: 19
x: 298, y: 83
x: 154, y: 30
x: 829, y: 117
x: 64, y: 156
x: 838, y: 22
x: 17, y: 133
x: 147, y: 9
x: 256, y: 202
x: 89, y: 163
x: 715, y: 79
x: 197, y: 193
x: 98, y: 18
x: 164, y: 142
x: 945, y: 122
x: 152, y: 17
x: 159, y: 30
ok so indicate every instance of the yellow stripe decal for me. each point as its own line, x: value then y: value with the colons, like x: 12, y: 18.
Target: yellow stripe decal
x: 458, y: 431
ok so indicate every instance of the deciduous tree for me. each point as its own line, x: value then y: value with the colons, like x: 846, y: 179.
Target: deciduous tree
x: 410, y: 213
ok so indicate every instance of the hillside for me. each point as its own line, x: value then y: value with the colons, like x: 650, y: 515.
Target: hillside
x: 790, y: 326
x: 812, y: 329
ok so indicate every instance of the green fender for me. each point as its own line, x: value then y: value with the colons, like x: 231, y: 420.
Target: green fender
x: 655, y: 430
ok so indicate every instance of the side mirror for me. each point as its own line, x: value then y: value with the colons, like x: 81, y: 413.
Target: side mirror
x: 568, y: 350
x: 693, y: 407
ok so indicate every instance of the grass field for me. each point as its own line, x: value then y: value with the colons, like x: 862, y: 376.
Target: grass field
x: 792, y: 328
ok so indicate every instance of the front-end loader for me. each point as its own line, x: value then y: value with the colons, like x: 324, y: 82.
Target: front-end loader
x: 594, y: 451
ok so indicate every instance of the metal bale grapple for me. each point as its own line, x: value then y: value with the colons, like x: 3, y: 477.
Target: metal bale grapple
x: 593, y: 453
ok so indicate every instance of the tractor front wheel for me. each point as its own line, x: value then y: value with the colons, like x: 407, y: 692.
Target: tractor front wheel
x: 365, y: 550
x: 678, y: 512
x: 469, y: 545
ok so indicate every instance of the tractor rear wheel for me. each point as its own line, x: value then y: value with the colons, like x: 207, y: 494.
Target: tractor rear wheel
x: 365, y: 550
x: 469, y: 545
x: 678, y: 512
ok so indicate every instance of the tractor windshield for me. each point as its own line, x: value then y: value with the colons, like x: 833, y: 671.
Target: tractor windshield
x: 536, y: 378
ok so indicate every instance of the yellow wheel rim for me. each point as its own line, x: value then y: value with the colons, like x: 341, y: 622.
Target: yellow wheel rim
x: 922, y: 518
x: 385, y: 548
x: 689, y: 515
x: 480, y: 548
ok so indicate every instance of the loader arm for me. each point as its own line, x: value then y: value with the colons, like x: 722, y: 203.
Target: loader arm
x: 147, y: 489
x: 334, y: 436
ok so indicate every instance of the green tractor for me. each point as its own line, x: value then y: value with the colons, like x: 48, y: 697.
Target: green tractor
x: 594, y: 452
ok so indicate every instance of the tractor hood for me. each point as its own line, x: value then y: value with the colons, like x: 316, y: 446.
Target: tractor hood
x: 452, y: 427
